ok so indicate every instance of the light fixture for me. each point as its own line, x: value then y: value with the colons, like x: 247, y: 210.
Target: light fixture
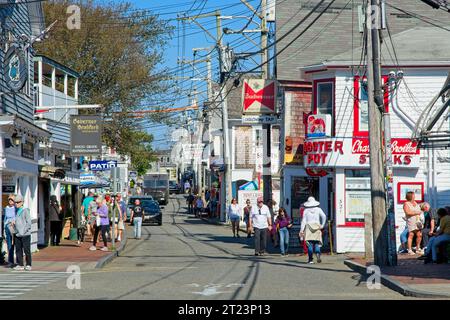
x: 63, y: 157
x: 16, y: 139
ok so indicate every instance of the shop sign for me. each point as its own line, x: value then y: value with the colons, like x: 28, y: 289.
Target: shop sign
x: 402, y: 150
x: 63, y: 164
x: 28, y: 150
x: 87, y: 178
x: 15, y: 70
x: 85, y: 135
x: 318, y: 126
x: 259, y: 96
x: 8, y: 189
x: 354, y: 152
x: 102, y: 165
x: 259, y: 119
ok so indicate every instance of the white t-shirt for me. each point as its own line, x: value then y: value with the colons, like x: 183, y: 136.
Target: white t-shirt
x: 234, y: 211
x: 259, y: 217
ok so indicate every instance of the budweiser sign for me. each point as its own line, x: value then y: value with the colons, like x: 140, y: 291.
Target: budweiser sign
x: 398, y: 146
x: 259, y: 96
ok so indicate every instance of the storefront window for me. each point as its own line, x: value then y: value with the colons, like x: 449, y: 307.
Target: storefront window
x: 357, y: 191
x: 363, y: 109
x: 302, y: 188
x: 324, y: 99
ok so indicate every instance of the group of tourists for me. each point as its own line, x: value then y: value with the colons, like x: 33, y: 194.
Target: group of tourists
x: 429, y: 230
x: 99, y: 212
x: 264, y: 222
x: 17, y: 232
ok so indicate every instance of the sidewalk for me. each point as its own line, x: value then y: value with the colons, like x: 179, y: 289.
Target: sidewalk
x: 411, y: 277
x: 59, y: 258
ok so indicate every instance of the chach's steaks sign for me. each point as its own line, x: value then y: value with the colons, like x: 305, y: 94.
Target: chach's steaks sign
x: 85, y: 135
x: 259, y: 96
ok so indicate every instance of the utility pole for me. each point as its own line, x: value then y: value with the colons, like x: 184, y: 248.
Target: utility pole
x: 267, y: 141
x: 114, y: 182
x: 376, y: 107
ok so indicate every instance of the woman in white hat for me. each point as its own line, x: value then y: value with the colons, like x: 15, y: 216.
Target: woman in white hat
x: 313, y: 222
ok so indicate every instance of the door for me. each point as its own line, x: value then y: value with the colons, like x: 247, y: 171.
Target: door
x: 301, y: 189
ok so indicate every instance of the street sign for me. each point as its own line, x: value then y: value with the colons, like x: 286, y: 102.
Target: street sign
x: 259, y: 119
x: 132, y: 174
x: 85, y: 135
x: 102, y: 165
x: 87, y: 179
x: 259, y: 96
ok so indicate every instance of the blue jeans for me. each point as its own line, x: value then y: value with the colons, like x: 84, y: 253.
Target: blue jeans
x: 9, y: 244
x: 404, y: 236
x: 137, y: 227
x: 284, y: 240
x: 434, y: 244
x: 313, y: 247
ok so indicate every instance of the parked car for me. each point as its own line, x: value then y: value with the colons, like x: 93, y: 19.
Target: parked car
x: 131, y: 203
x: 174, y: 187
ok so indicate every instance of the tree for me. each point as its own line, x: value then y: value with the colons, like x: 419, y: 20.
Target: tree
x: 116, y: 53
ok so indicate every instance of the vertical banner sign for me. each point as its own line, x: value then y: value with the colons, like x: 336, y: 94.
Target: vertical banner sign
x: 85, y: 135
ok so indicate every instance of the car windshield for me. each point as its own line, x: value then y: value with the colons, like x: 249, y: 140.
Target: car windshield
x: 155, y: 183
x: 149, y: 204
x: 172, y: 183
x: 132, y: 200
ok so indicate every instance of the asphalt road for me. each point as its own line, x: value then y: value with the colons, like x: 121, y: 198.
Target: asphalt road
x: 187, y: 258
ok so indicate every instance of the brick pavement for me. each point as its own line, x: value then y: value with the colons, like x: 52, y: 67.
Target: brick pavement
x: 58, y: 258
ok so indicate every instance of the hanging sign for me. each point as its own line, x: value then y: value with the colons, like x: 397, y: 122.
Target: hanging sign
x: 15, y: 68
x: 85, y: 135
x: 259, y: 96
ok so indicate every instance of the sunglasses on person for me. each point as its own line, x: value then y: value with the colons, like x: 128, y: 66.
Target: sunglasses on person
x: 19, y: 201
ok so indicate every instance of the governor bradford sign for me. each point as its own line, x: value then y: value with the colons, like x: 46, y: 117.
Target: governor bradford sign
x: 85, y: 135
x: 259, y: 96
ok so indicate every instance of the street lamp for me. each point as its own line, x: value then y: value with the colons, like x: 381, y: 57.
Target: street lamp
x: 16, y: 139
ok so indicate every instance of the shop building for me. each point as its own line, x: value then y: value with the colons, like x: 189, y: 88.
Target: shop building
x: 56, y: 86
x: 336, y: 148
x: 19, y: 136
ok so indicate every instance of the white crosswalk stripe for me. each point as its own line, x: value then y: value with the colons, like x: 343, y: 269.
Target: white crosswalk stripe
x: 15, y: 283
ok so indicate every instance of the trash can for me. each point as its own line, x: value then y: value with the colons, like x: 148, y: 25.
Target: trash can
x: 73, y: 234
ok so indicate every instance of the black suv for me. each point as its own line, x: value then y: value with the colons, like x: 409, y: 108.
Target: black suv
x: 152, y: 210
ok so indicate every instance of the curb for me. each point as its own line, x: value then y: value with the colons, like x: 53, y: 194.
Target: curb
x: 396, y: 285
x: 110, y: 257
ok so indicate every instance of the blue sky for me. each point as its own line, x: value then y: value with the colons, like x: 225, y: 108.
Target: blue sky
x: 191, y: 36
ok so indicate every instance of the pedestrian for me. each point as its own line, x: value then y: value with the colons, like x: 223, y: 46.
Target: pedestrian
x: 85, y: 204
x: 9, y: 215
x: 187, y: 187
x: 429, y: 223
x: 122, y: 216
x: 198, y: 206
x: 303, y: 242
x: 92, y: 215
x: 22, y: 235
x: 273, y: 214
x: 311, y: 228
x: 234, y: 213
x: 136, y: 217
x: 190, y: 203
x: 412, y: 214
x: 441, y: 236
x: 55, y: 218
x: 81, y: 229
x: 261, y: 222
x: 102, y: 224
x: 283, y: 224
x: 247, y: 211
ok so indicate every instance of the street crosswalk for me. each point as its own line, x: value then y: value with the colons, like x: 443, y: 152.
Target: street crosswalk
x: 16, y: 283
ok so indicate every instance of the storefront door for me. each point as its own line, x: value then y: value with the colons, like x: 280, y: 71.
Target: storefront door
x: 301, y: 189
